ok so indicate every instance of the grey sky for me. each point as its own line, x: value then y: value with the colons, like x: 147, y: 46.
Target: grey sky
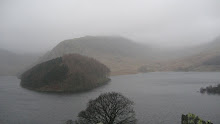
x: 38, y: 25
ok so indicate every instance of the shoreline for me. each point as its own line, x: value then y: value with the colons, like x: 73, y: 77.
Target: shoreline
x: 108, y: 80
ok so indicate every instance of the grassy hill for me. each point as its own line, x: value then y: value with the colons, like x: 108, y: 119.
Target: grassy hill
x: 124, y: 56
x: 207, y: 60
x: 205, y: 57
x: 71, y: 73
x: 121, y: 55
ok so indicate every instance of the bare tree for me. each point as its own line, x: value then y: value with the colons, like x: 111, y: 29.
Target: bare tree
x: 108, y: 108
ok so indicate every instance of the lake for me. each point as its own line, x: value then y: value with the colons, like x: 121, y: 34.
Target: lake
x: 160, y: 98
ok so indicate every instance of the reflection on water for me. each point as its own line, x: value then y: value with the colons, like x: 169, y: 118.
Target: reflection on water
x: 160, y: 98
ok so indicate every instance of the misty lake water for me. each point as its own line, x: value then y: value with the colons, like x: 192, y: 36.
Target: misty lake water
x: 160, y: 98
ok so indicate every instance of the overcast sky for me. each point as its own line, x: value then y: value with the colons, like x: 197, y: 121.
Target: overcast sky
x: 38, y: 25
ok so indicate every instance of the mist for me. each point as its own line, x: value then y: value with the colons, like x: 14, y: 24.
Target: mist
x: 109, y: 61
x: 39, y: 25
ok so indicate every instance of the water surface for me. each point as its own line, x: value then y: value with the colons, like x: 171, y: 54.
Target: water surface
x: 160, y: 98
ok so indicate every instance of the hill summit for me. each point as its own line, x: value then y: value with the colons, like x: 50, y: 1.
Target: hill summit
x: 70, y: 73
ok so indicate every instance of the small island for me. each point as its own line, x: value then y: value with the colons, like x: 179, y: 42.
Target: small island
x: 211, y: 89
x: 70, y: 73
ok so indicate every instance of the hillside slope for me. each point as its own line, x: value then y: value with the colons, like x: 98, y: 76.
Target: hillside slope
x: 12, y: 64
x: 206, y: 60
x: 121, y: 55
x: 71, y: 72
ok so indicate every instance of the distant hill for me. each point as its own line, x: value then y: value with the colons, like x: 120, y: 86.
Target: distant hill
x: 207, y: 60
x: 121, y: 55
x: 12, y: 63
x: 71, y: 73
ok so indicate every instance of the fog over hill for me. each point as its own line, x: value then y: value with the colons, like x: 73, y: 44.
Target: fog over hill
x: 208, y: 59
x: 12, y: 63
x: 121, y: 55
x: 98, y: 45
x: 124, y: 56
x: 36, y: 26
